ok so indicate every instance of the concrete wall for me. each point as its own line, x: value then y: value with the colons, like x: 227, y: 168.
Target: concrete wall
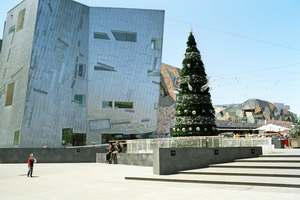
x: 129, y: 159
x: 171, y: 160
x: 50, y: 155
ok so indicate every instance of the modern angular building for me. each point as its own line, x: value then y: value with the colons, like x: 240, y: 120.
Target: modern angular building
x: 73, y: 72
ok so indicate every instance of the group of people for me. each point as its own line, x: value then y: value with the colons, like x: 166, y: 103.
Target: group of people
x: 112, y: 151
x: 110, y: 155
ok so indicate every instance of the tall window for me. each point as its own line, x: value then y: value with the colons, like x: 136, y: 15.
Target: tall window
x: 80, y: 98
x: 125, y: 36
x: 67, y: 136
x: 21, y: 19
x: 81, y: 70
x: 17, y: 138
x: 156, y: 43
x: 10, y: 94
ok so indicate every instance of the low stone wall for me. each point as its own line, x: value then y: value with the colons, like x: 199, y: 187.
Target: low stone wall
x: 50, y: 155
x: 170, y: 160
x: 145, y: 159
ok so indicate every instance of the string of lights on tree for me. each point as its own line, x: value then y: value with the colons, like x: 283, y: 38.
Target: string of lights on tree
x: 194, y: 111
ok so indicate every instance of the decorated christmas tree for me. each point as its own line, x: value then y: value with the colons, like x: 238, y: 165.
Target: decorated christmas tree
x: 194, y: 111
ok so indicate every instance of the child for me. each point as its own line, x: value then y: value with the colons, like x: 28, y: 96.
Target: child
x: 30, y: 162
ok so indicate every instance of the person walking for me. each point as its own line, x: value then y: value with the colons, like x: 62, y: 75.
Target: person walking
x: 31, y: 160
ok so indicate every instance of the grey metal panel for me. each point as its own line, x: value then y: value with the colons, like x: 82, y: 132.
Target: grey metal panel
x: 131, y: 61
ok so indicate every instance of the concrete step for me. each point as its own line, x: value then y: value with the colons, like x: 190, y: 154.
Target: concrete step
x: 269, y: 171
x: 256, y: 160
x: 226, y: 179
x: 279, y: 172
x: 254, y: 166
x: 241, y: 174
x: 281, y: 156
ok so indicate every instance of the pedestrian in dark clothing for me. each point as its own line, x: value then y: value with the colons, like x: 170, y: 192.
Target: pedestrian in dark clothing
x: 118, y: 150
x: 31, y: 160
x: 110, y: 149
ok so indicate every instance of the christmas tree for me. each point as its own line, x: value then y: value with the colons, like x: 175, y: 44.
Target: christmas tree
x: 194, y: 111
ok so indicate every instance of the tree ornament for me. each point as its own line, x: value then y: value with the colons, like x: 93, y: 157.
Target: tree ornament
x: 174, y: 129
x: 178, y: 129
x: 198, y: 129
x: 194, y: 112
x: 190, y: 87
x: 183, y: 129
x: 190, y: 128
x: 189, y: 65
x: 186, y: 111
x: 204, y: 87
x: 178, y: 112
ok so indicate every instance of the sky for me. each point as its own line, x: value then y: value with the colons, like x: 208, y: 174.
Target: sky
x: 250, y: 48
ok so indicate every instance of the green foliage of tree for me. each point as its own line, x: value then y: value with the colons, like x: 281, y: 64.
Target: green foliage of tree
x: 194, y: 111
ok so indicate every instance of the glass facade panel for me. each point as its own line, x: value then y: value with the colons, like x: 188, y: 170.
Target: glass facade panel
x: 107, y: 104
x: 80, y: 98
x: 10, y: 94
x: 21, y: 19
x: 81, y: 70
x: 120, y: 104
x: 125, y: 36
x: 12, y: 29
x: 101, y: 35
x: 17, y: 138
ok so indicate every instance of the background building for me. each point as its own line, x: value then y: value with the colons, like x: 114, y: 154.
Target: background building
x: 77, y: 74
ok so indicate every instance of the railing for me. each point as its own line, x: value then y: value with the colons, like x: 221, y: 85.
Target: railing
x: 147, y: 145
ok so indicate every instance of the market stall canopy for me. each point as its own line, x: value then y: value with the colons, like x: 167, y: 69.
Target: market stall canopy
x: 272, y: 128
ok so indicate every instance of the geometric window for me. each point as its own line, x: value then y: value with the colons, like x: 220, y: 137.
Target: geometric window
x: 156, y: 43
x: 80, y: 98
x: 21, y: 19
x: 100, y: 124
x: 153, y: 72
x: 125, y: 36
x: 107, y: 104
x: 128, y: 105
x: 10, y: 94
x: 81, y: 70
x: 17, y: 138
x: 101, y: 35
x: 67, y: 136
x: 104, y: 67
x: 11, y: 29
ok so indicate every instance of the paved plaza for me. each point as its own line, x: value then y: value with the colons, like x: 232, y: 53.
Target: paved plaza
x: 102, y: 181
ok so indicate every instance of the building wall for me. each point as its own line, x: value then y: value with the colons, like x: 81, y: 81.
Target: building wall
x: 52, y: 59
x: 60, y: 45
x: 14, y: 65
x: 128, y: 79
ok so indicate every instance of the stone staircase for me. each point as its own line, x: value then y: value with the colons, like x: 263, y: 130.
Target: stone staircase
x: 267, y: 170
